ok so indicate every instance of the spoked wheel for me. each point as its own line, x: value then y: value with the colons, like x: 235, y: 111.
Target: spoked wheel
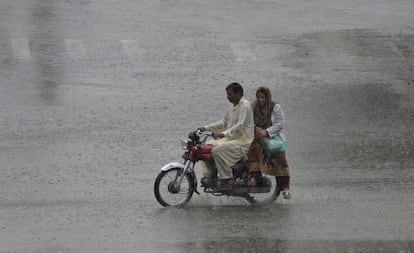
x: 169, y: 192
x: 265, y: 193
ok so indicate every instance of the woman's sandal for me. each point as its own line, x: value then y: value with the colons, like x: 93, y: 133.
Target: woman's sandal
x: 254, y: 181
x: 251, y: 182
x: 286, y: 194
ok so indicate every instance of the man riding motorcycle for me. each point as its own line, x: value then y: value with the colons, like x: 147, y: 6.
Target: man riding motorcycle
x: 233, y: 136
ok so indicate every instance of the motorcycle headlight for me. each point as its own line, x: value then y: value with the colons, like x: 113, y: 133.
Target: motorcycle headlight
x: 184, y: 144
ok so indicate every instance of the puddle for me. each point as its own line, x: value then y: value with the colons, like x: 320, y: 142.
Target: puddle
x: 357, y: 57
x: 240, y: 245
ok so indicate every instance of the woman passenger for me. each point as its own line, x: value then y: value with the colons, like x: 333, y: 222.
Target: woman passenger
x: 269, y: 121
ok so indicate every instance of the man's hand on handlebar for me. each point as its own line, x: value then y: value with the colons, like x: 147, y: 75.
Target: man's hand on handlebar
x: 215, y: 135
x: 218, y: 135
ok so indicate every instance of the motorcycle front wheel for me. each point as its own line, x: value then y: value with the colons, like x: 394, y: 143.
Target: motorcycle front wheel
x: 266, y: 193
x: 169, y: 192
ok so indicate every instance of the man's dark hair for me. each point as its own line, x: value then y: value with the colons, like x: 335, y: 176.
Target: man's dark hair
x: 236, y: 88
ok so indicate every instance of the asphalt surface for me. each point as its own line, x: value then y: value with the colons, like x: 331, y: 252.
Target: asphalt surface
x: 95, y: 96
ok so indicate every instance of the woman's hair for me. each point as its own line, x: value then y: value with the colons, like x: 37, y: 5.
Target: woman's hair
x: 263, y: 115
x: 268, y: 94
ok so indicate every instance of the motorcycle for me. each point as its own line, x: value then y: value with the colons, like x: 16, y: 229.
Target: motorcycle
x: 176, y: 182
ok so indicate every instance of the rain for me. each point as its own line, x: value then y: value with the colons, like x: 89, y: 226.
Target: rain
x: 95, y: 96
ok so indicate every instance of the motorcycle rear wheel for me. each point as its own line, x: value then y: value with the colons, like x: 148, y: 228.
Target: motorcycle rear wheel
x: 168, y: 192
x: 265, y: 197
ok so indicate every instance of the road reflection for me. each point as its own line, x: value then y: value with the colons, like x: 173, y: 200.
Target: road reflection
x: 46, y: 45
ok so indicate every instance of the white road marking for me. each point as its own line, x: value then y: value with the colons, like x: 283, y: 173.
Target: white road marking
x: 396, y: 50
x: 242, y: 51
x: 75, y: 49
x: 21, y: 48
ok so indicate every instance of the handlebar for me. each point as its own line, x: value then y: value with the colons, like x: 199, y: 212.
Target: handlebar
x: 204, y: 135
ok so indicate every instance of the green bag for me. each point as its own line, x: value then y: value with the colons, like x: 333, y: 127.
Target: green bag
x: 273, y: 145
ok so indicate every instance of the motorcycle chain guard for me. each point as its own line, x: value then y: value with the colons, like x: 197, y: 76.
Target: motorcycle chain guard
x: 240, y: 191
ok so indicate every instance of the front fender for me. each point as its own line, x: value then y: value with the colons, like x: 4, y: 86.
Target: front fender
x: 182, y: 166
x: 172, y: 165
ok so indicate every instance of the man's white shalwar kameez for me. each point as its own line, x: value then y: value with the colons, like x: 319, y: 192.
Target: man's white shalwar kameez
x: 238, y: 129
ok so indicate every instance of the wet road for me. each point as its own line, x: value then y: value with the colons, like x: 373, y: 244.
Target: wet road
x: 95, y: 96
